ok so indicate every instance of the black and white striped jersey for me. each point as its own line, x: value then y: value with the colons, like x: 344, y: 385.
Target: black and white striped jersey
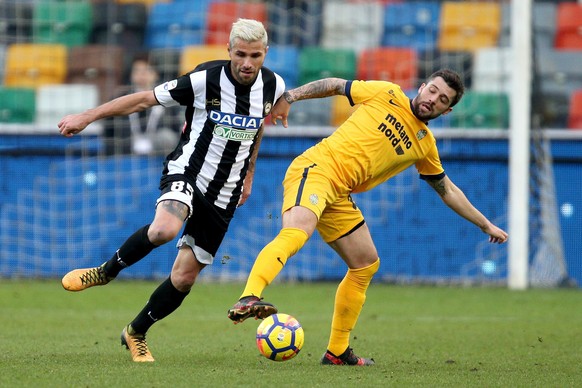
x: 223, y: 119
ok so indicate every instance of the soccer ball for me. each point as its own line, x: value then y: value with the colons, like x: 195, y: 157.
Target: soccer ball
x: 280, y: 337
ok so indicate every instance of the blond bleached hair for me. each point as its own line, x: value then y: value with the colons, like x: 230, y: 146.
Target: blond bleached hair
x: 248, y: 30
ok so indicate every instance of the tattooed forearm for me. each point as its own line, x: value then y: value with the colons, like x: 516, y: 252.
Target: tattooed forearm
x: 317, y: 89
x: 176, y: 208
x: 438, y: 185
x: 253, y: 159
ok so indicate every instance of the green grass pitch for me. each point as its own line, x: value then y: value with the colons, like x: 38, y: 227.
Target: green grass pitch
x: 419, y: 336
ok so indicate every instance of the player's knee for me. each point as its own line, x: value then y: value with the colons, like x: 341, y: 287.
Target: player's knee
x: 183, y: 280
x: 161, y: 234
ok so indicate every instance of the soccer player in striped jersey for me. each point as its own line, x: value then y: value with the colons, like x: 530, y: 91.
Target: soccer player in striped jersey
x: 206, y: 177
x: 387, y: 134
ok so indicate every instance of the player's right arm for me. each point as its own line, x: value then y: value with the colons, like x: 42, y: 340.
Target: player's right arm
x: 455, y: 199
x: 72, y: 124
x: 316, y: 89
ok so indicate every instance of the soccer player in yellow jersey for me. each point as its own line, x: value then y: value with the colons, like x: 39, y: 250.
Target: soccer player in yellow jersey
x: 387, y: 134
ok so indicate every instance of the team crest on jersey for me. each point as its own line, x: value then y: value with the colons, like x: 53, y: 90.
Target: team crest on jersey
x: 421, y: 134
x: 268, y: 107
x: 171, y: 85
x: 314, y: 199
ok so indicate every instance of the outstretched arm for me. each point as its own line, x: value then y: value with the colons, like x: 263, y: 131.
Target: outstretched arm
x: 72, y: 124
x: 316, y: 89
x: 454, y: 198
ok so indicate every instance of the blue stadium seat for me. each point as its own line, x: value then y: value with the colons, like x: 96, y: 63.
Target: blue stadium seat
x: 284, y: 60
x: 295, y: 22
x: 176, y: 25
x: 412, y: 24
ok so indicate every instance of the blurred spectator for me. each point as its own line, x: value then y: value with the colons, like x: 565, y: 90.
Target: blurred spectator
x: 153, y: 131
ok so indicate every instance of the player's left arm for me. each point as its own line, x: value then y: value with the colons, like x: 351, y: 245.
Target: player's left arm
x: 248, y: 182
x: 454, y: 198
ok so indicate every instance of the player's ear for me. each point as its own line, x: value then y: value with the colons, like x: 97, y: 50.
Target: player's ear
x: 421, y: 87
x: 447, y: 111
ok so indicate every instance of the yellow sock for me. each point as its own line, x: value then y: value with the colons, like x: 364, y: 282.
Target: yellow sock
x: 272, y: 259
x: 349, y: 300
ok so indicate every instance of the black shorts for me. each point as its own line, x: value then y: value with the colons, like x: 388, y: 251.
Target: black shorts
x: 207, y: 224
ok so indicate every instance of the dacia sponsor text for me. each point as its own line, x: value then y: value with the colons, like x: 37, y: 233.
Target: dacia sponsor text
x: 234, y: 120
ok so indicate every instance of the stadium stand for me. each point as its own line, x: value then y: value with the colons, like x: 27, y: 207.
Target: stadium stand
x: 2, y: 62
x: 53, y: 102
x: 177, y: 24
x: 166, y: 62
x: 411, y: 24
x: 559, y: 71
x: 192, y: 56
x: 352, y: 26
x: 569, y: 26
x: 481, y: 110
x: 316, y: 112
x: 469, y: 25
x: 148, y: 3
x: 67, y: 23
x: 119, y: 24
x: 284, y: 60
x: 18, y: 105
x: 32, y: 65
x: 221, y: 15
x: 544, y: 24
x: 575, y: 111
x: 395, y: 64
x: 100, y: 65
x: 15, y: 22
x: 554, y: 110
x: 492, y: 70
x: 430, y: 61
x: 294, y: 22
x: 317, y: 62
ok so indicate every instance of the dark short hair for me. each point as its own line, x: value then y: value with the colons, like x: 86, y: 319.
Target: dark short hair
x: 453, y: 79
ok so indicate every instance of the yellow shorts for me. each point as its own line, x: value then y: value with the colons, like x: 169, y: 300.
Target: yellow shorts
x: 314, y: 188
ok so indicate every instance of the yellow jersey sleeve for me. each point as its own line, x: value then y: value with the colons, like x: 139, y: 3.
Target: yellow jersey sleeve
x: 431, y: 165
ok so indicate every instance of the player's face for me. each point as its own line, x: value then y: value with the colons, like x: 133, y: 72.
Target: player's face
x: 246, y: 60
x: 433, y: 99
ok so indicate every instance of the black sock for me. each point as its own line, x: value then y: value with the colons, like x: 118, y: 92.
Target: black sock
x: 135, y: 248
x: 164, y: 301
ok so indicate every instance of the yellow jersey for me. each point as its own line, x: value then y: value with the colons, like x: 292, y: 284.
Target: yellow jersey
x: 378, y: 141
